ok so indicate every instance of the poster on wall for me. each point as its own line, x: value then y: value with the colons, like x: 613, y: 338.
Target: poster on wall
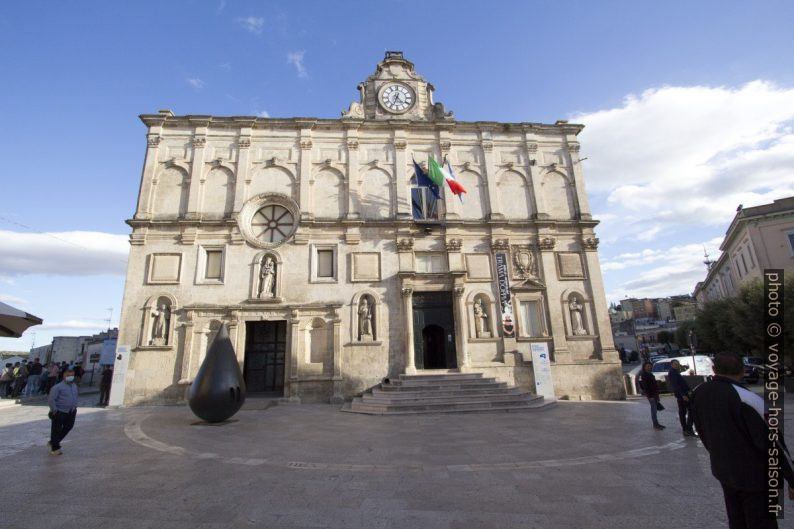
x: 506, y: 306
x: 541, y: 365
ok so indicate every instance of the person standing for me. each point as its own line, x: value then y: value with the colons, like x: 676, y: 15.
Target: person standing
x: 104, y: 386
x: 20, y: 378
x: 63, y: 410
x: 681, y: 390
x: 651, y: 390
x: 52, y: 375
x: 730, y: 422
x: 34, y: 374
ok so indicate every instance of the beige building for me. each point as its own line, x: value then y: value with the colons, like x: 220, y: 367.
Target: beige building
x: 333, y: 269
x: 759, y: 238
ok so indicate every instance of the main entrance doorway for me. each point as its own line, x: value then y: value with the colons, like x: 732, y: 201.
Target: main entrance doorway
x: 434, y: 331
x: 265, y: 349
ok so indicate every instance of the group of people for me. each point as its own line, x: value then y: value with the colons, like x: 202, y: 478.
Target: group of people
x: 27, y: 379
x: 731, y: 422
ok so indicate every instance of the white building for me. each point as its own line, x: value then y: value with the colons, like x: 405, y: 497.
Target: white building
x: 333, y: 269
x: 758, y: 238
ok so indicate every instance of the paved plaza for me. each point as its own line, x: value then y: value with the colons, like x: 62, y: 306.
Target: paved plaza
x: 584, y: 465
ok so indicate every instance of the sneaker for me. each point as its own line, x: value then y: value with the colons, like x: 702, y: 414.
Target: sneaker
x: 658, y: 427
x: 689, y: 433
x: 56, y: 452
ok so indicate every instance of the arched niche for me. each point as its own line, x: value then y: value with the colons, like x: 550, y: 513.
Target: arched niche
x: 273, y: 179
x: 491, y: 322
x: 558, y: 196
x: 158, y: 321
x: 475, y: 200
x: 319, y: 342
x: 375, y: 307
x: 218, y: 193
x: 259, y: 273
x: 575, y: 301
x: 328, y: 194
x: 375, y: 194
x: 514, y: 195
x: 170, y: 191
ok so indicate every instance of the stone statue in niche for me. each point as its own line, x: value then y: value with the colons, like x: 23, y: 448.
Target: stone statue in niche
x: 161, y: 325
x: 480, y: 320
x: 267, y: 278
x: 577, y: 324
x: 365, y: 320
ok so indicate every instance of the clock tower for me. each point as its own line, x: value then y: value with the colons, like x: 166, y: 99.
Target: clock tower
x: 396, y: 91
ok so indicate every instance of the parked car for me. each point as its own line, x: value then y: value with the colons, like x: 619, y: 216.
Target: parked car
x: 690, y: 365
x: 754, y: 365
x: 751, y: 374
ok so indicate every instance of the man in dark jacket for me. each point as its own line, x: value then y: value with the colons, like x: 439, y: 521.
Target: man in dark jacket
x: 681, y: 390
x: 651, y: 389
x: 731, y: 424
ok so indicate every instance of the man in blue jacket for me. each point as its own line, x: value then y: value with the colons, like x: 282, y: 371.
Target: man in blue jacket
x: 681, y: 390
x: 63, y: 410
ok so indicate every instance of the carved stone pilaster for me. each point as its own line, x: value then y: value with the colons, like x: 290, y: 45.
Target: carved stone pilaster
x: 590, y: 243
x: 459, y: 291
x: 532, y: 147
x: 352, y: 145
x: 573, y: 147
x: 445, y: 146
x: 153, y: 140
x: 406, y: 291
x: 500, y: 245
x: 454, y: 245
x: 306, y: 144
x: 244, y: 143
x: 405, y: 245
x: 400, y: 145
x: 487, y: 146
x: 547, y: 243
x: 199, y: 141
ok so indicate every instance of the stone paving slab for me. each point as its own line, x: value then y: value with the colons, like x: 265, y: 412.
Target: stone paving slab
x: 577, y: 465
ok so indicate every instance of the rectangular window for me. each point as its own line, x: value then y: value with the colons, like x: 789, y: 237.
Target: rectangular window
x: 744, y: 263
x: 424, y: 204
x: 213, y: 266
x: 750, y: 255
x: 428, y: 263
x: 325, y: 263
x: 530, y: 319
x: 790, y: 236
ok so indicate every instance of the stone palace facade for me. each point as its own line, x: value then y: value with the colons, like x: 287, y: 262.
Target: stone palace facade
x: 311, y: 240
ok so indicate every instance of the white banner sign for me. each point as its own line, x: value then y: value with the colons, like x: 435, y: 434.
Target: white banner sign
x: 119, y: 375
x: 541, y: 365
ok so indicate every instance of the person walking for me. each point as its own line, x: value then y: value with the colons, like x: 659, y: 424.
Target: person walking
x: 730, y: 421
x: 681, y: 390
x: 651, y: 389
x: 104, y: 386
x: 63, y: 410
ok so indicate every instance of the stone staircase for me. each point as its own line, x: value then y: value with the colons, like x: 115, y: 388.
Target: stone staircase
x: 443, y: 392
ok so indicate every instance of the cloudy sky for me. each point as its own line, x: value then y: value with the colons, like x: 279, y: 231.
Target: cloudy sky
x: 688, y: 108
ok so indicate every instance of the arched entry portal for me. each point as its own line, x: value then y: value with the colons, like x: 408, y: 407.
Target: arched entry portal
x: 434, y: 338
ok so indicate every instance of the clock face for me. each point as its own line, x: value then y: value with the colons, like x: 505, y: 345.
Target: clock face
x: 396, y: 98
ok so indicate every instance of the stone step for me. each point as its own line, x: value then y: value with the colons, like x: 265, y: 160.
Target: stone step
x: 443, y: 399
x: 439, y: 376
x: 445, y: 391
x: 482, y: 382
x: 531, y: 402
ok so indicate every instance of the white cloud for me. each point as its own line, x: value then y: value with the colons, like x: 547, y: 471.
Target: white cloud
x: 252, y: 24
x: 660, y: 272
x: 263, y: 114
x: 674, y: 156
x: 88, y: 325
x: 12, y: 300
x: 296, y: 58
x: 195, y: 82
x: 71, y: 253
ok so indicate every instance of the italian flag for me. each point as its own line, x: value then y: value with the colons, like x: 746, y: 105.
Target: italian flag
x: 439, y: 175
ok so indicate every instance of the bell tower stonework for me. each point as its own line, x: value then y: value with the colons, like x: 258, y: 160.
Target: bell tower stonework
x: 396, y: 91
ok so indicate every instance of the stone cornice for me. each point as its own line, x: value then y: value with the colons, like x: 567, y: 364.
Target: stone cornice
x: 235, y: 122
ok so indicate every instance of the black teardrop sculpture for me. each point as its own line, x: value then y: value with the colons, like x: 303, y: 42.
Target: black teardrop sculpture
x: 218, y: 390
